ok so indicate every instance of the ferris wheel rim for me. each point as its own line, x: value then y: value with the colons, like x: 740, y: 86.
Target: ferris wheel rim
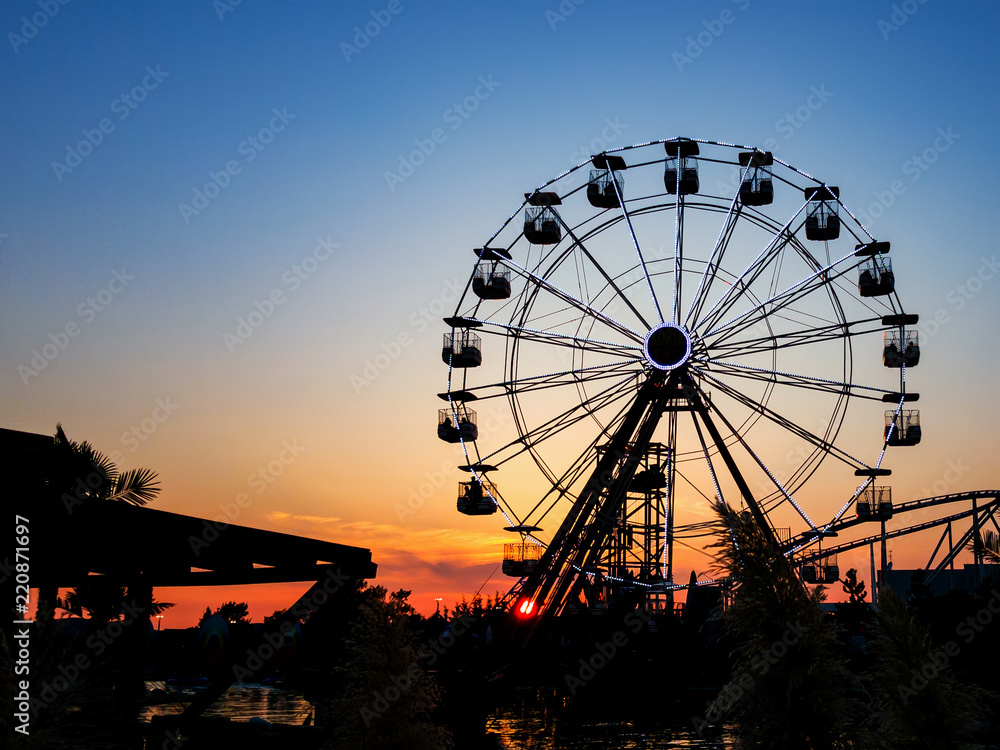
x: 718, y: 330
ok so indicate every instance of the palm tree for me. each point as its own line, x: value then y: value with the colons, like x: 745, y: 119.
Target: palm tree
x: 920, y: 703
x: 85, y: 474
x: 989, y: 545
x: 789, y: 689
x: 92, y: 476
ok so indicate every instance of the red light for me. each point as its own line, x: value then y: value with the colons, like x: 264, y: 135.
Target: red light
x: 526, y: 608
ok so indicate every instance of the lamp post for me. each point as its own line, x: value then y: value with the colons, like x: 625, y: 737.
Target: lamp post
x: 438, y: 601
x: 159, y: 619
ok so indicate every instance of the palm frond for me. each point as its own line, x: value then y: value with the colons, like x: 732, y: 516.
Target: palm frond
x: 136, y: 487
x: 159, y: 607
x: 100, y: 461
x: 991, y: 545
x: 987, y: 543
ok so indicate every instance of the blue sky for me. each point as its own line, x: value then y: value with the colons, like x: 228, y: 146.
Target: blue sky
x: 508, y: 96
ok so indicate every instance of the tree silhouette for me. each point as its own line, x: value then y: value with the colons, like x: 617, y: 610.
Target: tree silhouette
x: 84, y: 474
x: 387, y: 698
x: 920, y: 703
x: 789, y: 689
x: 854, y: 588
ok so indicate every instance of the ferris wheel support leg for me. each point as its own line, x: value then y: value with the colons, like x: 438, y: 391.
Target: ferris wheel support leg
x: 977, y: 546
x: 557, y: 570
x: 874, y: 581
x: 885, y: 560
x: 758, y: 515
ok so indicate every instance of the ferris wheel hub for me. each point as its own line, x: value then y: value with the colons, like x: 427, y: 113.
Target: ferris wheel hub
x: 667, y: 346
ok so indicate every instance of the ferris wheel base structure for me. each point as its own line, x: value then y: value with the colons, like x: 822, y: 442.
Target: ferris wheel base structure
x: 663, y: 347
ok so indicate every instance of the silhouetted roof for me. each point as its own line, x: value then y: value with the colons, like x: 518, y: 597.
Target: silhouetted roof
x: 70, y: 540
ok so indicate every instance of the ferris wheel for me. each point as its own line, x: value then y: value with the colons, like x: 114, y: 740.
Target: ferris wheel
x: 664, y: 327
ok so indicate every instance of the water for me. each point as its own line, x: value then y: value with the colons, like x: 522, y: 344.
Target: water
x: 536, y: 722
x: 531, y: 723
x: 239, y: 703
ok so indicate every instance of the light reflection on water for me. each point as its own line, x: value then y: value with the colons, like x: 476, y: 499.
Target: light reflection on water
x: 534, y: 723
x: 239, y: 703
x: 531, y: 723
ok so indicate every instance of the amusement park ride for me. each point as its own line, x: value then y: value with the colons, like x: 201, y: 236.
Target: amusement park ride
x: 708, y: 335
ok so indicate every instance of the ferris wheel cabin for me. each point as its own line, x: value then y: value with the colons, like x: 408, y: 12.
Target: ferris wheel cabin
x: 681, y: 161
x: 490, y: 281
x: 541, y: 222
x: 756, y: 187
x: 822, y: 213
x: 900, y: 348
x: 902, y: 429
x: 462, y: 349
x: 475, y: 498
x: 601, y: 190
x: 466, y: 429
x: 520, y: 559
x: 876, y: 278
x: 825, y: 570
x: 875, y: 503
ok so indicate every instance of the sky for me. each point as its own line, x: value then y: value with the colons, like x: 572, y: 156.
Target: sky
x: 229, y: 230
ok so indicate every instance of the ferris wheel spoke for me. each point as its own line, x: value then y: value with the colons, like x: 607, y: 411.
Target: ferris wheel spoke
x: 585, y: 461
x: 530, y: 439
x: 770, y: 475
x: 714, y: 260
x: 638, y: 250
x: 788, y: 339
x: 754, y: 269
x: 796, y: 381
x: 558, y: 339
x: 796, y: 291
x: 782, y: 421
x: 607, y: 278
x: 567, y: 297
x: 675, y: 314
x: 575, y: 376
x: 708, y: 459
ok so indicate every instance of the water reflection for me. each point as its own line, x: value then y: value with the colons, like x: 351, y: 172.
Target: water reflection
x: 536, y: 721
x: 532, y: 720
x: 239, y: 703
